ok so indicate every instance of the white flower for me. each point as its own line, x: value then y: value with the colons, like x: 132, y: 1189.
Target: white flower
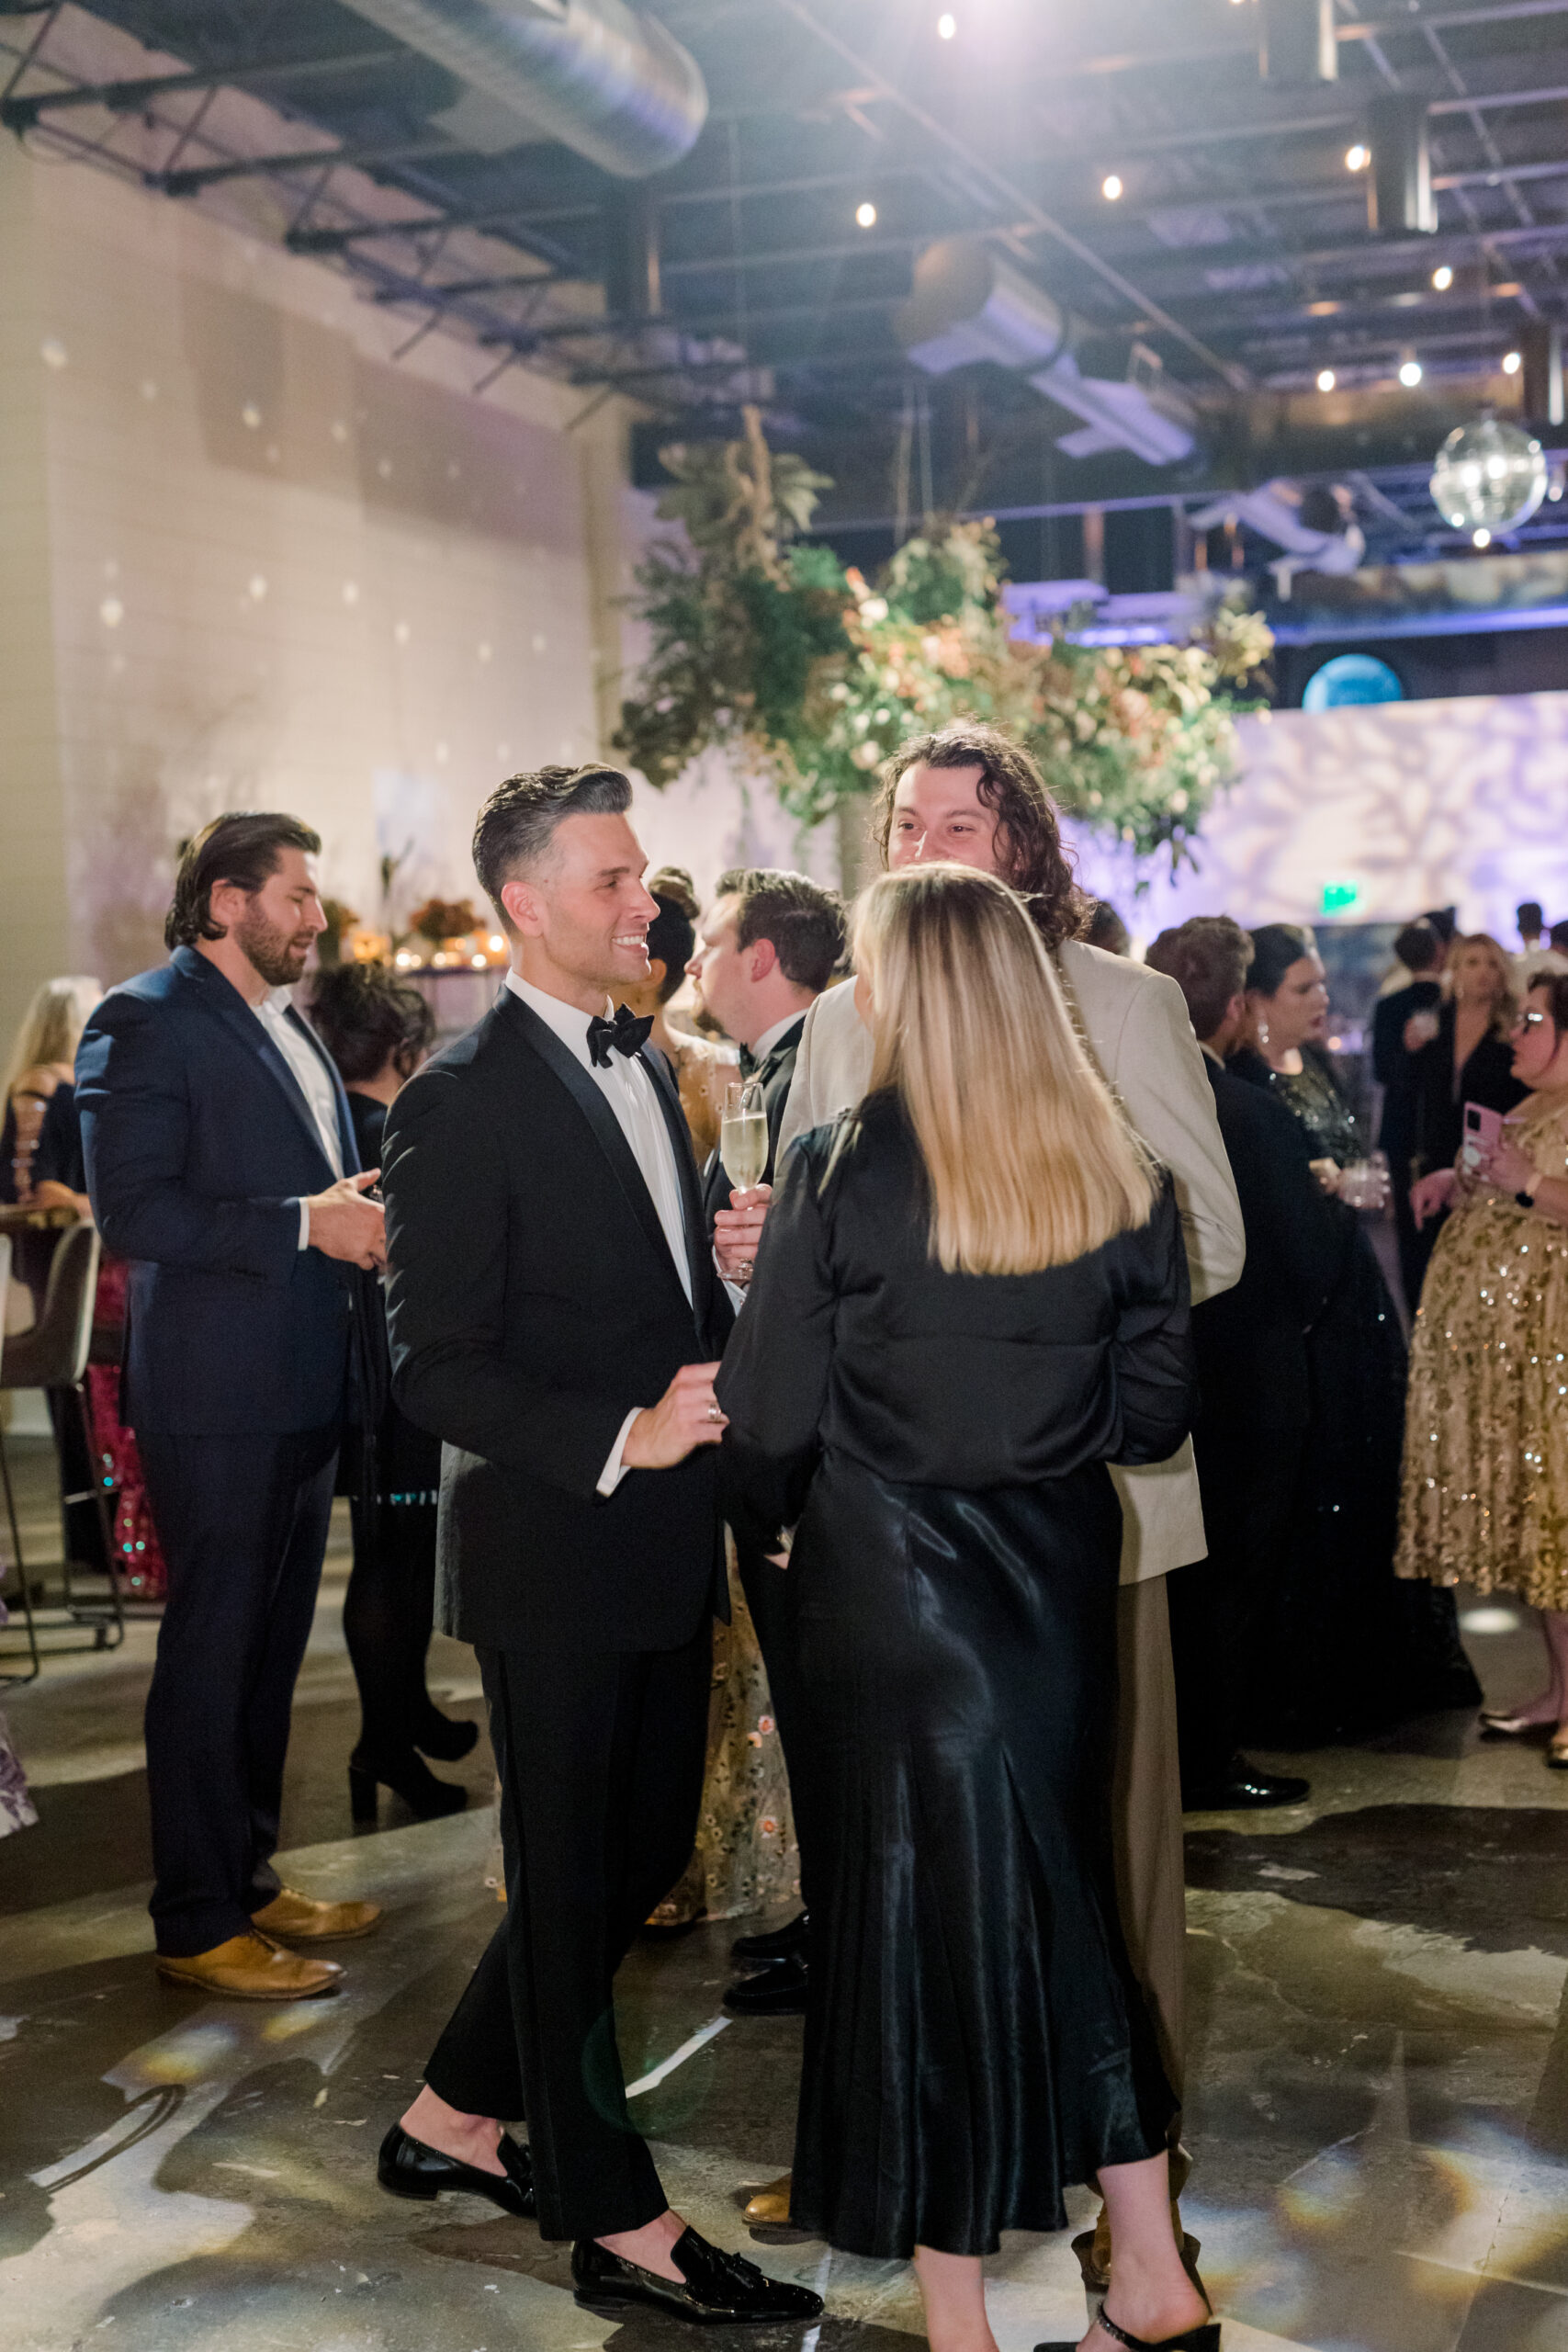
x: 875, y: 609
x: 866, y: 755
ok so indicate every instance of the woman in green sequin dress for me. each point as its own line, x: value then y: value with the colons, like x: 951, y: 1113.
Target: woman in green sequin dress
x: 1485, y: 1487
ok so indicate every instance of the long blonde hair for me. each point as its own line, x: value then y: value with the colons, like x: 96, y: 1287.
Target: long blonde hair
x: 51, y: 1027
x: 1503, y: 1005
x: 1029, y: 1160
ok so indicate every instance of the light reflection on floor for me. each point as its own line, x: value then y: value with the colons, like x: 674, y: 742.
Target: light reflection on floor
x: 1378, y: 2107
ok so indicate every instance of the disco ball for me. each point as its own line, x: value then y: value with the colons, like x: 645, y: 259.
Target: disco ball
x: 1488, y: 477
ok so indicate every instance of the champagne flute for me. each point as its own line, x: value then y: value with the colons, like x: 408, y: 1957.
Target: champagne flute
x: 743, y: 1141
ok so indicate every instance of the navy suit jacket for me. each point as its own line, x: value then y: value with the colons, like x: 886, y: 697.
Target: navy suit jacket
x: 199, y: 1146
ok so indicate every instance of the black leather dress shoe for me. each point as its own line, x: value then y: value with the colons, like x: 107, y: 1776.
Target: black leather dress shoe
x: 780, y: 1943
x: 1246, y: 1788
x: 409, y: 2168
x: 716, y: 2290
x: 776, y: 1992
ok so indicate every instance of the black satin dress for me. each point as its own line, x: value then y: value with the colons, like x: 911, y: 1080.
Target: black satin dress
x: 977, y: 2039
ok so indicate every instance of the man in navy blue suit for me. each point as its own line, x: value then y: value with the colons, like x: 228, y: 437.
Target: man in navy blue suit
x: 221, y: 1161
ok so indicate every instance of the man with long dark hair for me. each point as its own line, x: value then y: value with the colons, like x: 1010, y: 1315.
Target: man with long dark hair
x: 221, y: 1161
x: 969, y: 795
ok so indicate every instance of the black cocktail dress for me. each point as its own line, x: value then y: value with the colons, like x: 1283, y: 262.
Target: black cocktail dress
x: 977, y: 2040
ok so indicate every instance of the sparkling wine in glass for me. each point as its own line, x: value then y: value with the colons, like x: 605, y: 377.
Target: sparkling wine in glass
x: 743, y: 1136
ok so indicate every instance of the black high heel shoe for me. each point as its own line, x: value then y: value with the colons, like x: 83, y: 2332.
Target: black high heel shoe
x: 1204, y: 2337
x: 407, y: 1777
x: 445, y: 1737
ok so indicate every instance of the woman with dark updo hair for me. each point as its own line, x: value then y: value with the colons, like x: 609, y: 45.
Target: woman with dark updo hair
x: 378, y: 1029
x: 699, y: 1066
x: 1346, y: 1649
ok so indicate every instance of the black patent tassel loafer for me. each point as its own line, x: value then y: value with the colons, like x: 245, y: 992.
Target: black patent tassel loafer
x: 1204, y: 2337
x: 716, y: 2288
x: 408, y: 2169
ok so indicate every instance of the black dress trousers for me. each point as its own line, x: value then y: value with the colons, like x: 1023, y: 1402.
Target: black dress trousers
x: 244, y: 1525
x: 600, y: 1757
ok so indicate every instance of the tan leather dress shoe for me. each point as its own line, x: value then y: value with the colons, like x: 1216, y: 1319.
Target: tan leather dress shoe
x: 770, y: 2206
x: 252, y: 1968
x: 300, y: 1919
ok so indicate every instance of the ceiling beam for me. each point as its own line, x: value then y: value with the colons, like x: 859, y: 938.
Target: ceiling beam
x: 1015, y: 198
x: 491, y: 216
x: 128, y: 97
x: 191, y: 181
x: 1205, y: 52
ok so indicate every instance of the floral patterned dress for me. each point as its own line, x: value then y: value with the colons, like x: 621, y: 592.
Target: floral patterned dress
x: 16, y: 1809
x: 1485, y: 1486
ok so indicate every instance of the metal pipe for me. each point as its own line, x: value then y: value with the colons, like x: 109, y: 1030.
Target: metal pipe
x: 128, y: 98
x: 608, y: 83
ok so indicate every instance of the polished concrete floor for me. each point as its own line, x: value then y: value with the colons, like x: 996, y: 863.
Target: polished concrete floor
x: 1379, y: 2103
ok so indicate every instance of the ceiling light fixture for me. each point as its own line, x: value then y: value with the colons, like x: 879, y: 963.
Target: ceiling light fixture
x: 946, y: 26
x: 866, y: 214
x: 1358, y: 157
x: 1410, y: 374
x: 1442, y: 278
x: 1512, y: 363
x: 1481, y: 538
x: 1111, y: 188
x: 1326, y: 379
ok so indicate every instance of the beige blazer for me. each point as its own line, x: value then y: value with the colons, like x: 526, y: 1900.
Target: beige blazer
x: 1137, y: 1027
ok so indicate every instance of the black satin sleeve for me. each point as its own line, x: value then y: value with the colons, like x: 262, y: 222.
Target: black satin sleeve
x: 772, y: 1383
x: 1152, y: 1355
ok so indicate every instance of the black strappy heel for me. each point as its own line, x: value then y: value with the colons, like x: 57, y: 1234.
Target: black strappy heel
x: 1204, y: 2337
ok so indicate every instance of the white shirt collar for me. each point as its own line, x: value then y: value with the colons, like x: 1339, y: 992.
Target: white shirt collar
x: 770, y: 1037
x: 568, y: 1021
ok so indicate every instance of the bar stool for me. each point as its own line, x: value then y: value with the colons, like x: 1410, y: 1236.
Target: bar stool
x: 54, y: 1355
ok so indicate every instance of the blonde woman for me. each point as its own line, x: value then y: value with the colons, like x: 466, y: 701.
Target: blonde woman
x: 1468, y: 1058
x: 971, y: 1296
x: 42, y: 1060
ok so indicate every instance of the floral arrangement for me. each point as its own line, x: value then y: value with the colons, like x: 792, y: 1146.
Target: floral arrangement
x: 813, y: 674
x: 341, y: 921
x: 442, y: 919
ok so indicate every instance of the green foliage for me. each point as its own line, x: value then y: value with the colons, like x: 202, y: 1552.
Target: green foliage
x: 814, y: 677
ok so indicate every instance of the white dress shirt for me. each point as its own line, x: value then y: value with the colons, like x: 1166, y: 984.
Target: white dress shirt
x: 314, y: 1084
x: 629, y: 1090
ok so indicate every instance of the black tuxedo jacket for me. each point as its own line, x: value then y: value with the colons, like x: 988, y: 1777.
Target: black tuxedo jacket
x: 776, y: 1073
x: 532, y: 1301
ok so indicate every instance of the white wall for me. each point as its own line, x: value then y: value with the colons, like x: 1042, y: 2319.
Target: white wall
x: 1418, y: 804
x: 249, y: 561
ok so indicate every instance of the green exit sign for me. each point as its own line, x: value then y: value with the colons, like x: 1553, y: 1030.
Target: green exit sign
x: 1339, y: 897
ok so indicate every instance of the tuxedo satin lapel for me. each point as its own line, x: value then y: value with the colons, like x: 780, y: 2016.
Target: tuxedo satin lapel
x: 222, y: 1000
x: 525, y: 1025
x: 687, y: 1172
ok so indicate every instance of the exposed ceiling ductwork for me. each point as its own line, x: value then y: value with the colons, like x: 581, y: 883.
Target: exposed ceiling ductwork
x: 968, y: 304
x: 606, y: 81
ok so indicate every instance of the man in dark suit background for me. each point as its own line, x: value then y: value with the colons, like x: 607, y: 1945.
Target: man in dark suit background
x: 768, y: 946
x: 1251, y: 1434
x: 221, y: 1161
x: 555, y: 1317
x: 1402, y: 1022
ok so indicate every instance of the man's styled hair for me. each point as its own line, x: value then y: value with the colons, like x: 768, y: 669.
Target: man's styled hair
x: 1530, y: 918
x: 243, y: 849
x: 1556, y: 987
x: 1208, y: 958
x: 804, y: 923
x: 519, y: 822
x: 1013, y: 788
x: 1418, y: 948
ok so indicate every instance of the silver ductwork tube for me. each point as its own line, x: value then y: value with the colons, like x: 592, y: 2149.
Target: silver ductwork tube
x: 606, y: 81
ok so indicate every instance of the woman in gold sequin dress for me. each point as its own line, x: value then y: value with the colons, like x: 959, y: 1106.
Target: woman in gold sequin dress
x: 1486, y: 1481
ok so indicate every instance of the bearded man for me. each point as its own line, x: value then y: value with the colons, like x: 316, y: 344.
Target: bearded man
x: 221, y: 1161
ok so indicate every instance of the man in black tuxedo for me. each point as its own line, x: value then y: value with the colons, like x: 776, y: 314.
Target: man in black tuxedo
x: 220, y: 1160
x: 767, y: 948
x: 1251, y: 1434
x: 556, y: 1317
x: 1402, y: 1022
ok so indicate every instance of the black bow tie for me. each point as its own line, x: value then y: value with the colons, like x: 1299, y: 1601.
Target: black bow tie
x: 749, y: 1065
x: 625, y: 1035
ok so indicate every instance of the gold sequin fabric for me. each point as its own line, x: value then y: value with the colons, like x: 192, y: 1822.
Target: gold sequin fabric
x: 1486, y: 1481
